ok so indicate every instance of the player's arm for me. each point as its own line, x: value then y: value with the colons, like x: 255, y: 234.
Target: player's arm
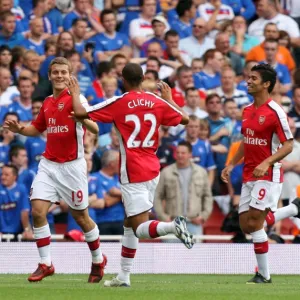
x: 166, y: 94
x: 287, y: 148
x: 236, y: 158
x: 16, y: 127
x: 91, y: 126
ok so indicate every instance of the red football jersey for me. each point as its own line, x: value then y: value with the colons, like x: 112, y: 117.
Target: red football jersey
x: 264, y: 128
x: 64, y: 136
x: 137, y: 117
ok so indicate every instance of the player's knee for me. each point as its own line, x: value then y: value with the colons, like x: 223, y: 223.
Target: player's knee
x: 82, y: 219
x: 38, y: 214
x: 252, y: 225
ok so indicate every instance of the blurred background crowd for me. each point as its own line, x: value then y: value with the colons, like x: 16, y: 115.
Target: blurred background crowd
x: 203, y: 49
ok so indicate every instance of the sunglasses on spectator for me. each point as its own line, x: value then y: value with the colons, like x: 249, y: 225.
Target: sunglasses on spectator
x: 198, y: 26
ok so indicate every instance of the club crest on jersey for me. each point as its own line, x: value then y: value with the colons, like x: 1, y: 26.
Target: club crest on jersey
x: 60, y: 106
x: 261, y: 120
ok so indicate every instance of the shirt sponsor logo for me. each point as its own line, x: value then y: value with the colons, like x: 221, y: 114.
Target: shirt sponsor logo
x: 252, y: 140
x: 57, y: 129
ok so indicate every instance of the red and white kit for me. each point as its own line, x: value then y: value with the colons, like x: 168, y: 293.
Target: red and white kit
x: 137, y: 117
x: 64, y: 154
x: 264, y: 129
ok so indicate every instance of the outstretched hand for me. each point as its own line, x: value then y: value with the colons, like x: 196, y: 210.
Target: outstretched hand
x: 73, y: 86
x: 226, y: 173
x: 13, y: 126
x: 165, y: 91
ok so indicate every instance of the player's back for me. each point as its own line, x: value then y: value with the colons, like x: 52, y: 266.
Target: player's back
x: 137, y: 117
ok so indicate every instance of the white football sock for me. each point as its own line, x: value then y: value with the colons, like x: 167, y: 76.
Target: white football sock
x: 93, y: 241
x: 153, y: 229
x: 129, y: 246
x: 42, y: 236
x: 261, y: 247
x: 286, y: 212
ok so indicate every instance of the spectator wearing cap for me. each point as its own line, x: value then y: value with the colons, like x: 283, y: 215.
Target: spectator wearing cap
x: 183, y: 189
x: 198, y: 43
x: 36, y: 41
x: 210, y: 77
x: 110, y: 42
x: 8, y: 36
x: 228, y: 89
x: 283, y: 55
x: 140, y: 29
x: 159, y: 25
x: 215, y: 13
x: 243, y: 8
x: 186, y: 11
x: 268, y: 13
x: 82, y: 10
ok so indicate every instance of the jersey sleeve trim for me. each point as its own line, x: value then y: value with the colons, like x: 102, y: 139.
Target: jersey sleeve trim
x: 282, y: 119
x: 104, y: 103
x: 161, y: 99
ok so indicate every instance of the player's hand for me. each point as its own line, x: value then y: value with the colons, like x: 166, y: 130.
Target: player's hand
x: 27, y: 235
x: 165, y: 91
x: 13, y: 126
x: 226, y: 173
x: 76, y: 119
x: 73, y: 86
x: 261, y: 169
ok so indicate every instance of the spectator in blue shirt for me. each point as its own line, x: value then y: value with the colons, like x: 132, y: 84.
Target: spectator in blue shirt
x: 186, y: 11
x: 54, y: 15
x: 82, y: 10
x: 7, y: 138
x: 35, y: 146
x: 202, y: 153
x: 79, y: 28
x: 110, y: 219
x: 35, y: 41
x: 18, y: 157
x: 7, y: 33
x: 14, y: 204
x: 159, y: 26
x: 23, y: 104
x: 110, y: 41
x: 245, y: 8
x: 210, y: 77
x: 283, y: 74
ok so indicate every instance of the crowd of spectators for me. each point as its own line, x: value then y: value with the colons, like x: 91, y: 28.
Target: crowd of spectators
x: 204, y: 49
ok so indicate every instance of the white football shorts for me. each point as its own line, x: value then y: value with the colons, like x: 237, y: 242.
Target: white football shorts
x: 138, y: 197
x: 66, y: 181
x: 260, y: 194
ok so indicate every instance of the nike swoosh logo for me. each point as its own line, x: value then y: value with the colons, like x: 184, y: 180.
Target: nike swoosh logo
x: 45, y: 110
x: 244, y: 120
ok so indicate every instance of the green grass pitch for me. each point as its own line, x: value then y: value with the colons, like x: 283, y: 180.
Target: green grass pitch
x: 157, y: 287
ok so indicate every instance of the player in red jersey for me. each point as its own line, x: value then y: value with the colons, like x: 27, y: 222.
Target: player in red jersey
x: 137, y: 116
x: 267, y: 140
x: 62, y: 170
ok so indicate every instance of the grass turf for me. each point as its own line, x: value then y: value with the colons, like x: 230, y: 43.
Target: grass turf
x: 143, y: 287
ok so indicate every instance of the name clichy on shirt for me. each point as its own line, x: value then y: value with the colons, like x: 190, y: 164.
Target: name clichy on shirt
x: 140, y: 102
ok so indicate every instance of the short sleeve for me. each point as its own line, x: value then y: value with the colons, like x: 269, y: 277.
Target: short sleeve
x: 24, y: 198
x: 134, y: 29
x: 282, y: 128
x: 103, y: 112
x: 40, y: 122
x: 210, y: 163
x: 286, y: 78
x: 171, y: 116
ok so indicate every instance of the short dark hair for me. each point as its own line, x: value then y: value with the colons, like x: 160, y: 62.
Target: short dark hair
x: 14, y: 151
x: 102, y: 68
x: 271, y: 41
x: 77, y: 20
x: 155, y: 59
x: 106, y: 12
x: 267, y: 73
x: 115, y: 57
x: 295, y: 87
x: 22, y: 78
x: 171, y: 32
x: 186, y: 144
x: 211, y: 96
x: 154, y: 73
x: 70, y: 53
x: 13, y: 168
x: 209, y: 54
x: 133, y: 74
x: 190, y: 89
x: 183, y: 6
x: 11, y: 113
x: 182, y: 69
x: 228, y: 100
x: 6, y: 14
x: 4, y: 48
